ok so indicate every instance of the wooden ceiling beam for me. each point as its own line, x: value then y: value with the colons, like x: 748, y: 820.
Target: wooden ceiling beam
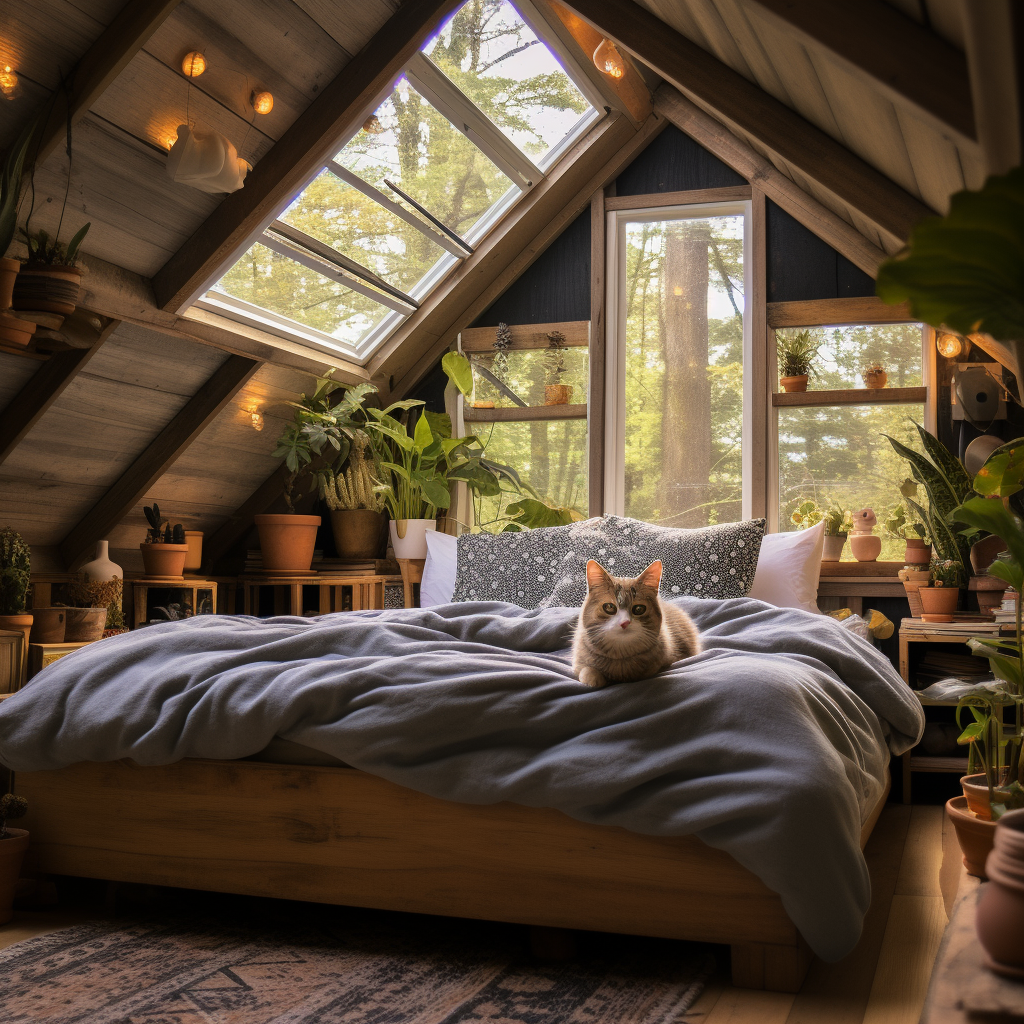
x: 45, y: 386
x: 735, y: 153
x: 159, y: 456
x: 310, y: 141
x: 99, y: 66
x: 749, y: 110
x: 910, y: 64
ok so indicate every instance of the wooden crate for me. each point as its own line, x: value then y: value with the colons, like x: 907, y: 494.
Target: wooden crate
x: 11, y: 658
x: 41, y: 655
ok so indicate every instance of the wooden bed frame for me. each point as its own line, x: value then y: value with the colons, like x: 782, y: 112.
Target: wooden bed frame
x: 338, y: 835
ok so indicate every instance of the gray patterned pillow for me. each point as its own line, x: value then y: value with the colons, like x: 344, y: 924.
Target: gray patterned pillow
x: 714, y: 561
x: 548, y: 566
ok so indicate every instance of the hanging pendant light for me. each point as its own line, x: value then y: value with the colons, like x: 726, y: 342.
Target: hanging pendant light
x: 8, y: 81
x: 608, y: 60
x: 262, y: 102
x: 194, y: 64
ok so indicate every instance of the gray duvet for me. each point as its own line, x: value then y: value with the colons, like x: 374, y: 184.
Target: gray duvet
x: 771, y: 744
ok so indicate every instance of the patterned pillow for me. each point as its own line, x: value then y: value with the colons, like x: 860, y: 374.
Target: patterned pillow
x: 714, y: 561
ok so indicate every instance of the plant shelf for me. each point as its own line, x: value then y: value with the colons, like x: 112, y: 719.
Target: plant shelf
x: 850, y: 396
x: 523, y: 413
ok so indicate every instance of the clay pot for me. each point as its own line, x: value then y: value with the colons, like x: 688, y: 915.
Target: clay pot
x: 938, y: 603
x: 19, y: 624
x: 1000, y: 916
x: 14, y: 330
x: 85, y: 624
x: 832, y: 549
x: 48, y: 625
x: 409, y: 537
x: 974, y: 835
x: 359, y: 533
x: 919, y: 552
x: 50, y: 289
x: 866, y: 547
x: 8, y: 272
x: 988, y: 591
x: 287, y: 541
x: 194, y: 543
x: 163, y: 559
x: 794, y: 383
x: 876, y: 380
x: 983, y: 554
x: 557, y: 394
x: 976, y: 791
x: 12, y: 853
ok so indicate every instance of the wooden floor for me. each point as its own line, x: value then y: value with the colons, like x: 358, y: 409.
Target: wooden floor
x: 915, y: 869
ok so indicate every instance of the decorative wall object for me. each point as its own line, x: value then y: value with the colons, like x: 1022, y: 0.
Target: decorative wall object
x: 206, y: 160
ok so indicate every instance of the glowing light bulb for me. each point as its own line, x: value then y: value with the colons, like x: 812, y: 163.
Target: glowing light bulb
x: 194, y: 64
x: 372, y: 125
x: 262, y: 102
x: 257, y: 419
x: 949, y: 345
x: 608, y: 60
x: 678, y: 290
x: 8, y: 81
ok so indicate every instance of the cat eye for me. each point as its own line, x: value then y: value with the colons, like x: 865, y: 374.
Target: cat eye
x: 639, y: 609
x: 609, y: 608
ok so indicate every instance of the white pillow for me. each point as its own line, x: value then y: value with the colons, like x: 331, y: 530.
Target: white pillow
x: 438, y: 583
x: 788, y: 568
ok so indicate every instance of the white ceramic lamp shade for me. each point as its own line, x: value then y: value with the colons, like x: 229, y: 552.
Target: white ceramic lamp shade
x: 206, y: 160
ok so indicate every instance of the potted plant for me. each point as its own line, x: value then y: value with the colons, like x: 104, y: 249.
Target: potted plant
x: 796, y: 353
x: 13, y: 844
x: 941, y: 599
x: 555, y: 392
x: 93, y: 607
x: 164, y: 549
x: 356, y: 506
x: 875, y: 375
x: 901, y: 523
x: 13, y: 330
x: 15, y: 579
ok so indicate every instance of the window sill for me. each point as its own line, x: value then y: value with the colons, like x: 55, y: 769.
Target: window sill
x: 851, y: 396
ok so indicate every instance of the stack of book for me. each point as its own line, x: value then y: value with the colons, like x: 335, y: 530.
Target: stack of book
x: 936, y: 665
x: 333, y: 566
x: 1007, y: 611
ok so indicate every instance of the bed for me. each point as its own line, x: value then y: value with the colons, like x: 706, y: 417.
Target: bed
x: 724, y: 802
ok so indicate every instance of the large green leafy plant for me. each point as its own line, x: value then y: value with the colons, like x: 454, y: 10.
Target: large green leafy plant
x: 15, y: 572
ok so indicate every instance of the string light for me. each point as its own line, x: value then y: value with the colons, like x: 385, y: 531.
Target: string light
x: 949, y: 345
x: 194, y: 64
x: 257, y: 419
x: 8, y: 81
x: 262, y: 102
x: 608, y: 60
x: 372, y: 125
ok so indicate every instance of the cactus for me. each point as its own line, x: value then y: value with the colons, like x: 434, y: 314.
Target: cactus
x: 160, y: 530
x: 15, y: 572
x: 11, y: 807
x: 178, y: 534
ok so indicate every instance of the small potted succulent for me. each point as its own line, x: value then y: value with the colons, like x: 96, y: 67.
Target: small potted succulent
x: 555, y: 391
x: 838, y: 524
x: 940, y: 600
x: 796, y: 354
x: 13, y: 844
x: 164, y: 549
x: 902, y: 523
x: 875, y: 375
x: 15, y: 579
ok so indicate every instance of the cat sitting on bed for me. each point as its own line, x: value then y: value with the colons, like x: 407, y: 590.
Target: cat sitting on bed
x: 625, y: 632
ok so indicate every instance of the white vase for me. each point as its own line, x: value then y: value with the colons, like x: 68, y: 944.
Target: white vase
x: 414, y: 543
x: 101, y: 568
x: 832, y: 549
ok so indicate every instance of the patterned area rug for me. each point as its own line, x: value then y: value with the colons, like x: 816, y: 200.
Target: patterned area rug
x: 341, y: 966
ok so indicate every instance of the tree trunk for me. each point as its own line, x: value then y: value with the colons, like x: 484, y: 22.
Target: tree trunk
x: 686, y: 448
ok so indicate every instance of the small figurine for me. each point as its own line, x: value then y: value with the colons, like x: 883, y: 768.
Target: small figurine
x: 866, y: 547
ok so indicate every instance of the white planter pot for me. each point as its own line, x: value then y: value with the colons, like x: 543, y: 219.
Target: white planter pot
x: 414, y: 543
x: 832, y: 549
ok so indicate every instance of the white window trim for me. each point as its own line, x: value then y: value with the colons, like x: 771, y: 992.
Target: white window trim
x: 615, y: 350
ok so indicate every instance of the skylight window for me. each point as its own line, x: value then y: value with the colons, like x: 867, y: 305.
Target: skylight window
x: 465, y: 132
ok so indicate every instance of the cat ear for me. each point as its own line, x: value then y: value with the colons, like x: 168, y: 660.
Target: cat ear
x: 651, y: 576
x: 597, y: 575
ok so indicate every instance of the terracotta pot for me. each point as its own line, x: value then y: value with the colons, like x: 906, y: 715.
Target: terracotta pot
x: 163, y: 559
x: 974, y: 836
x: 794, y: 383
x: 49, y: 289
x: 939, y: 603
x: 919, y: 552
x: 48, y: 625
x: 976, y: 791
x: 8, y: 272
x: 832, y: 549
x: 19, y: 624
x: 557, y: 394
x: 12, y: 853
x: 866, y: 547
x: 194, y: 557
x: 983, y: 554
x: 359, y: 533
x: 1000, y: 915
x: 85, y: 624
x: 876, y: 380
x: 987, y: 591
x: 287, y: 541
x: 14, y: 330
x: 409, y: 537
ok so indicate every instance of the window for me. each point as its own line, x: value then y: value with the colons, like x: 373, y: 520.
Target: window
x: 470, y: 126
x: 677, y: 365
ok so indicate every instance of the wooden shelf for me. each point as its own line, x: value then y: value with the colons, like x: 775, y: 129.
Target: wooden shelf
x: 938, y: 764
x: 833, y: 312
x: 524, y: 413
x: 526, y: 336
x: 19, y: 350
x: 850, y: 396
x: 839, y: 570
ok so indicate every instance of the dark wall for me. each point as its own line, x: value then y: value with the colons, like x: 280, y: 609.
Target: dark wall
x: 673, y: 162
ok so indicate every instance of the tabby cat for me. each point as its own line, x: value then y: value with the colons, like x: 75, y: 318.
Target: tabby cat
x: 625, y: 632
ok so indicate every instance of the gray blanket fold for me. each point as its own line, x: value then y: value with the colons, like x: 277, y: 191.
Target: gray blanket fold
x: 771, y: 744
